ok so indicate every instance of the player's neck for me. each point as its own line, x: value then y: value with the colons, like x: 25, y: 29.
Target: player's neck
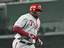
x: 35, y: 17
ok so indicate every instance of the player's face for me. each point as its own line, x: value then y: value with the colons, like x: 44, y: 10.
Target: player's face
x: 35, y: 14
x: 38, y: 13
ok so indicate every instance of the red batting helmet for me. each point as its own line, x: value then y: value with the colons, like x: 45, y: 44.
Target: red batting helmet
x: 35, y: 7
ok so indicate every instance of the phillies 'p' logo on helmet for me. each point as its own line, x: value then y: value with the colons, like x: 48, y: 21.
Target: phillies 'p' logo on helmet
x: 35, y: 7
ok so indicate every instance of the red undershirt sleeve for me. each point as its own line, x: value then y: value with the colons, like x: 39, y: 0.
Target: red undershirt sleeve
x: 20, y: 31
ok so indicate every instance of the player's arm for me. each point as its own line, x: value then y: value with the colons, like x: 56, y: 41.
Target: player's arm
x: 22, y: 32
x: 39, y: 42
x: 19, y: 28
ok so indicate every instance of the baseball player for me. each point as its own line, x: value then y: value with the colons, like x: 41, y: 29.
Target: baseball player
x: 27, y: 27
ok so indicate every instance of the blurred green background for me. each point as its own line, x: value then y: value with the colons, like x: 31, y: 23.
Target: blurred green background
x: 52, y: 20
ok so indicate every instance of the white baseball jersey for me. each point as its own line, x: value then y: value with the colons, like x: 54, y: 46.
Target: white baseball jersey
x: 29, y: 23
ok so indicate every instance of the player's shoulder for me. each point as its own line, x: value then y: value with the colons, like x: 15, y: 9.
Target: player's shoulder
x: 24, y: 15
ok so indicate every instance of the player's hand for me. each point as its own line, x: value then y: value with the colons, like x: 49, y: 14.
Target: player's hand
x: 33, y: 36
x: 40, y: 42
